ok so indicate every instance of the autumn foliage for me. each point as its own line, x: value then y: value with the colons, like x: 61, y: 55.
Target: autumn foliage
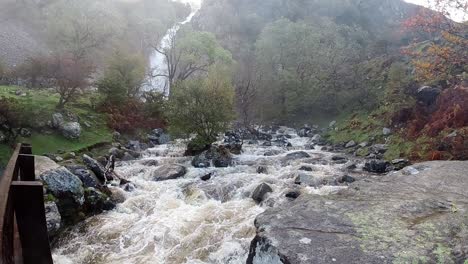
x: 445, y: 54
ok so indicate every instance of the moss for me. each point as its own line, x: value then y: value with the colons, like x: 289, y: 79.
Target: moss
x: 443, y: 254
x: 362, y: 152
x: 49, y: 198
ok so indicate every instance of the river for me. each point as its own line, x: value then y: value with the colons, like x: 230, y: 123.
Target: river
x: 188, y: 220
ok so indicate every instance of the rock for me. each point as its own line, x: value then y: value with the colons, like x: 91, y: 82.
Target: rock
x: 87, y: 177
x: 95, y: 167
x: 364, y: 144
x: 117, y: 152
x: 350, y: 144
x: 305, y: 132
x: 149, y: 162
x: 293, y: 194
x: 53, y: 218
x: 63, y: 184
x: 43, y: 164
x: 134, y: 145
x: 158, y: 137
x: 347, y: 179
x: 260, y: 192
x: 306, y: 168
x: 399, y: 164
x: 379, y: 148
x: 57, y: 120
x: 298, y: 155
x: 96, y: 202
x: 428, y: 95
x: 127, y: 157
x: 317, y: 138
x: 221, y: 157
x: 169, y: 172
x: 201, y: 160
x: 206, y: 177
x: 116, y: 135
x: 87, y: 124
x: 117, y: 195
x: 338, y: 158
x: 377, y: 166
x: 386, y: 131
x: 271, y: 153
x: 71, y: 130
x: 332, y: 124
x: 267, y: 144
x: 351, y: 166
x: 262, y: 170
x: 380, y: 220
x: 24, y: 132
x: 309, y: 180
x: 128, y: 187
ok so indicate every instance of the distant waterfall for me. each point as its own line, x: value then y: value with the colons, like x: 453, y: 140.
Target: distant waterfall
x: 158, y: 61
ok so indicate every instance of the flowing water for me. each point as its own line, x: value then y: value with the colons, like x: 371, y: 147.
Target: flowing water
x: 188, y: 220
x: 158, y: 62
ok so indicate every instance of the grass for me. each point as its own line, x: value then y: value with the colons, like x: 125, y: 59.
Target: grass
x: 37, y: 108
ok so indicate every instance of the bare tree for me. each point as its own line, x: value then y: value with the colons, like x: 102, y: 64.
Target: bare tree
x: 245, y: 82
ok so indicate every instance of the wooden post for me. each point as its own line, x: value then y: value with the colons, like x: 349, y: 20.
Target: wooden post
x: 26, y: 167
x: 28, y: 200
x: 26, y: 149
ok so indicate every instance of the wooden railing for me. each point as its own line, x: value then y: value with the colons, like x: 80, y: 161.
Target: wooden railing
x: 23, y: 226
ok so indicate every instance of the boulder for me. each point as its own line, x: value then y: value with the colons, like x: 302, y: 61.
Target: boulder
x: 221, y: 157
x: 392, y: 219
x: 96, y: 202
x: 377, y: 166
x: 43, y: 164
x: 262, y: 170
x: 272, y: 152
x: 63, y: 184
x: 117, y: 152
x: 57, y: 120
x: 305, y: 132
x: 306, y: 168
x: 169, y: 172
x: 206, y: 177
x: 158, y: 137
x: 149, y: 162
x: 87, y: 177
x: 134, y: 145
x: 71, y: 130
x: 24, y: 132
x: 399, y: 164
x: 294, y: 194
x: 53, y: 218
x: 379, y: 148
x: 260, y: 192
x: 201, y: 160
x: 95, y: 167
x: 298, y: 155
x: 428, y: 95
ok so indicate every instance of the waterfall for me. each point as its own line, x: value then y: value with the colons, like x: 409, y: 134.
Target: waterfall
x: 158, y: 63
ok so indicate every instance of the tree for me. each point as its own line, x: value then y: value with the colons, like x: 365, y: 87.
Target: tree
x: 445, y: 55
x: 246, y: 80
x: 9, y: 118
x: 123, y: 77
x: 203, y: 106
x: 69, y: 77
x: 188, y: 53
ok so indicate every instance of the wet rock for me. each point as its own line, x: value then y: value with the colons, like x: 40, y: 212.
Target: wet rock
x: 332, y: 124
x: 338, y: 159
x: 158, y: 137
x: 305, y: 132
x: 293, y: 194
x: 375, y: 222
x: 350, y: 144
x: 117, y: 152
x: 128, y: 187
x: 206, y: 177
x: 134, y: 145
x: 297, y: 155
x: 53, y: 218
x: 347, y: 179
x: 127, y: 157
x: 201, y: 161
x: 117, y: 195
x: 377, y: 166
x: 169, y: 172
x: 87, y: 177
x: 63, y: 184
x: 399, y: 164
x: 272, y: 153
x: 260, y: 192
x: 95, y: 167
x: 233, y: 142
x: 116, y: 135
x: 267, y: 144
x: 351, y: 166
x: 262, y: 170
x: 221, y: 157
x: 306, y: 168
x: 71, y: 130
x: 309, y: 180
x: 317, y: 138
x: 96, y: 202
x: 149, y: 162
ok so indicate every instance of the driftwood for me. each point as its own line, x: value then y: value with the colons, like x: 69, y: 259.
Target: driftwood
x: 110, y: 174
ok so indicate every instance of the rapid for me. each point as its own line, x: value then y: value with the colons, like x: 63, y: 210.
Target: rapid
x: 188, y: 220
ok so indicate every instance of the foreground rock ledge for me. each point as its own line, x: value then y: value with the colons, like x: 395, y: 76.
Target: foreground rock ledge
x: 399, y: 218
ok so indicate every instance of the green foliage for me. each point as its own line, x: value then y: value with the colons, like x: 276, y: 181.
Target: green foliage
x: 202, y: 106
x: 123, y: 78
